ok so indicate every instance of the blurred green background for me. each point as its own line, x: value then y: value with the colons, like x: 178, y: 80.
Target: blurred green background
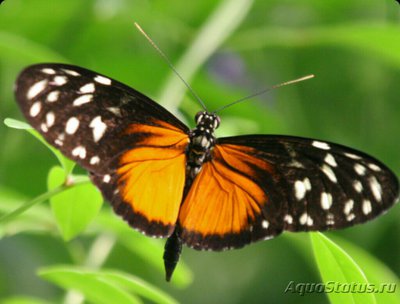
x: 226, y: 50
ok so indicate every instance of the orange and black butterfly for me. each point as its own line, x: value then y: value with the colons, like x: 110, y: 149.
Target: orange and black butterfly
x: 187, y: 185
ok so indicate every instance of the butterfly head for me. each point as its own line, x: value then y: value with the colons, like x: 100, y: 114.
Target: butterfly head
x: 202, y: 137
x: 207, y: 121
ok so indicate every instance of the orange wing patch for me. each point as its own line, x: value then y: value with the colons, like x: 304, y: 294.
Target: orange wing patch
x: 159, y: 134
x: 151, y: 177
x: 224, y: 207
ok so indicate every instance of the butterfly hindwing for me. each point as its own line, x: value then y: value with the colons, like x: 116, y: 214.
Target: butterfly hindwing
x: 297, y: 184
x: 229, y: 203
x: 109, y: 128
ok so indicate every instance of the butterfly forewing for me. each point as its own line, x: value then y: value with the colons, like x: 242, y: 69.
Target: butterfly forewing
x: 109, y: 128
x: 82, y: 113
x: 320, y: 185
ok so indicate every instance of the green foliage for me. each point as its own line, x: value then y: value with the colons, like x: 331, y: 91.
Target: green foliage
x: 95, y: 289
x: 225, y: 50
x: 335, y: 265
x: 375, y: 271
x: 105, y: 286
x: 71, y: 218
x: 67, y: 164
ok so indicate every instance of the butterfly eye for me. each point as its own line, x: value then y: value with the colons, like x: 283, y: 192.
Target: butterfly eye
x: 217, y: 121
x: 199, y: 117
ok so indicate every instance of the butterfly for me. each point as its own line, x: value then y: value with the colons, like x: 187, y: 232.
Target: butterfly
x: 208, y: 193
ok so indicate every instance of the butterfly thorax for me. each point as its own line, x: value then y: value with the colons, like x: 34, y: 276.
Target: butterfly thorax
x: 202, y: 141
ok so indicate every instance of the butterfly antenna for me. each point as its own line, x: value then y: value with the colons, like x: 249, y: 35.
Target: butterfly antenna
x: 264, y: 91
x: 170, y: 65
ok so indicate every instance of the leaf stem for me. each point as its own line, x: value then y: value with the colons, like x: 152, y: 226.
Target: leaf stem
x: 41, y: 198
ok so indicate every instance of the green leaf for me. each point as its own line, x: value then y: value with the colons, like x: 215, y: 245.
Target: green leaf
x: 25, y: 206
x: 23, y: 300
x: 376, y: 272
x: 66, y: 163
x: 148, y: 249
x: 16, y: 124
x: 76, y: 207
x: 95, y: 290
x: 337, y: 267
x: 36, y: 219
x: 135, y: 285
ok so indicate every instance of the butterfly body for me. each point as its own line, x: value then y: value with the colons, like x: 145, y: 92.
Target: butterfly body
x: 202, y: 141
x: 188, y: 186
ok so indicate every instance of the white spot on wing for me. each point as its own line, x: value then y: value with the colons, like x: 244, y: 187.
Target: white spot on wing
x: 72, y: 125
x: 299, y: 190
x: 79, y: 151
x: 36, y: 89
x: 366, y: 207
x: 296, y: 164
x: 87, y: 88
x: 53, y: 96
x: 44, y: 128
x: 94, y: 160
x: 48, y: 71
x: 326, y: 200
x: 301, y: 187
x: 329, y: 173
x: 288, y: 219
x: 115, y: 110
x: 307, y: 184
x: 358, y: 186
x: 320, y: 145
x: 330, y: 160
x: 265, y: 224
x: 82, y: 100
x: 360, y: 169
x: 374, y: 167
x: 375, y: 188
x: 99, y: 128
x: 71, y: 72
x: 303, y: 218
x: 35, y: 109
x: 330, y: 219
x: 60, y: 80
x: 50, y: 118
x: 350, y: 217
x: 102, y: 80
x: 60, y: 139
x: 352, y: 156
x: 106, y: 178
x: 348, y: 206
